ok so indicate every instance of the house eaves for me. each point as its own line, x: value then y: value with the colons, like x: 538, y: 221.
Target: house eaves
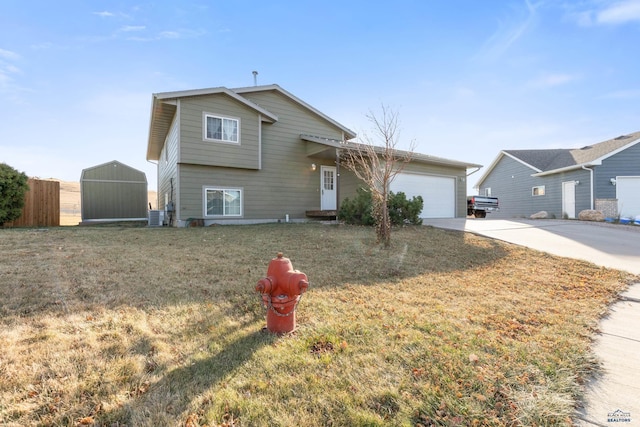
x: 164, y: 107
x: 417, y: 157
x: 348, y: 133
x: 567, y: 168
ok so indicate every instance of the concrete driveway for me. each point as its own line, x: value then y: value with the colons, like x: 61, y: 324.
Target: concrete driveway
x: 613, y: 396
x: 609, y: 245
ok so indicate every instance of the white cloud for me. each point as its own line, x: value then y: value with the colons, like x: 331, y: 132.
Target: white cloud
x: 7, y: 54
x: 509, y: 31
x: 169, y: 35
x: 552, y: 80
x: 104, y: 14
x: 132, y: 28
x: 620, y: 12
x: 610, y: 13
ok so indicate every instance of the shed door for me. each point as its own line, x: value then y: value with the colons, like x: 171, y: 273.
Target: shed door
x: 569, y: 199
x: 438, y: 193
x: 328, y: 191
x: 628, y: 195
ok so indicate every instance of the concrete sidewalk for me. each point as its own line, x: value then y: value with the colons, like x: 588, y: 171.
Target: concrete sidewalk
x: 612, y: 397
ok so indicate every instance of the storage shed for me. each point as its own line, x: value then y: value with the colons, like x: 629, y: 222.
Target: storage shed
x: 113, y: 191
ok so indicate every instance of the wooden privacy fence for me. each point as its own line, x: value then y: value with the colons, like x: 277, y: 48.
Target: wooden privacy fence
x: 41, y: 205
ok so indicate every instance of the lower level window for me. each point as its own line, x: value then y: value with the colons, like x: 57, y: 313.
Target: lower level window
x: 223, y: 202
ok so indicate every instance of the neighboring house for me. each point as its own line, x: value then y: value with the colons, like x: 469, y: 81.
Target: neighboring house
x: 260, y: 154
x: 563, y: 182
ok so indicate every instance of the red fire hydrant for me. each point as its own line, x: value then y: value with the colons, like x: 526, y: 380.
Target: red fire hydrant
x: 281, y: 291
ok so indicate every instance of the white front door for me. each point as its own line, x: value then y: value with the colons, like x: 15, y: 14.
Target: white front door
x: 328, y: 198
x: 569, y: 199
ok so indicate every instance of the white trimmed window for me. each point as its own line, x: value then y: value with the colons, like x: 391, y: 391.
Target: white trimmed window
x: 222, y: 201
x: 487, y: 191
x: 225, y: 129
x: 537, y: 191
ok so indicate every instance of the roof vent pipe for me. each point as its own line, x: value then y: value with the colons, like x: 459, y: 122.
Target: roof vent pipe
x: 255, y: 78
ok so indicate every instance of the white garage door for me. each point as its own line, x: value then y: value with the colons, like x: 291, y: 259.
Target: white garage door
x: 438, y: 193
x: 628, y: 195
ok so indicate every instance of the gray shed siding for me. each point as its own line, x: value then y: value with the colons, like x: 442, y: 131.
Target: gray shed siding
x: 284, y: 185
x: 113, y: 191
x: 512, y: 183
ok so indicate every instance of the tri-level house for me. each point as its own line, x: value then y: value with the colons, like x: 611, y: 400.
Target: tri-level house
x: 603, y: 176
x: 260, y: 154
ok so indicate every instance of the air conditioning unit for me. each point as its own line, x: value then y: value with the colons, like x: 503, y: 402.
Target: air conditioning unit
x: 156, y: 218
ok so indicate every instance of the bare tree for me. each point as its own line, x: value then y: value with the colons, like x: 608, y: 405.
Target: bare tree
x: 376, y: 161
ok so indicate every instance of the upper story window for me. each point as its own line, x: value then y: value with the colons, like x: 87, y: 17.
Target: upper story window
x: 538, y: 191
x: 487, y: 191
x: 225, y: 129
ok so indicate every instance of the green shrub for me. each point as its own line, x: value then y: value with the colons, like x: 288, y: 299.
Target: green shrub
x: 13, y: 186
x: 402, y: 211
x: 358, y: 211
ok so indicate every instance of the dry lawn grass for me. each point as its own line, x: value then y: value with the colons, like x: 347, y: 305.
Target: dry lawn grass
x: 154, y: 327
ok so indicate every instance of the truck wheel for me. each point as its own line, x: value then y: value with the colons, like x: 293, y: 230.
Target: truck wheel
x: 480, y: 214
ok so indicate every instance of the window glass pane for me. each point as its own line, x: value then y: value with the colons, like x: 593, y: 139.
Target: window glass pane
x: 214, y: 128
x: 215, y: 202
x: 328, y: 180
x: 232, y: 202
x: 230, y: 131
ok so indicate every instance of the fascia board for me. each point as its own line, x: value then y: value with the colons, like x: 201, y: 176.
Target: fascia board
x: 216, y: 90
x: 568, y: 168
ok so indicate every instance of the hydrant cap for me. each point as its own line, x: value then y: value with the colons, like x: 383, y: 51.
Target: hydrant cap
x: 279, y: 255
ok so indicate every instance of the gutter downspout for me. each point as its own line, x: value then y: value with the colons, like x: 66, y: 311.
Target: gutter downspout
x: 338, y: 178
x: 590, y: 184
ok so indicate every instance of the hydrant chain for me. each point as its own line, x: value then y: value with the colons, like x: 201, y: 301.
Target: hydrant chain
x: 281, y: 291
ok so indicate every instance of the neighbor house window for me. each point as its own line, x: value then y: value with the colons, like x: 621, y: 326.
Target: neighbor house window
x: 538, y: 191
x: 224, y: 129
x: 487, y: 191
x: 223, y: 201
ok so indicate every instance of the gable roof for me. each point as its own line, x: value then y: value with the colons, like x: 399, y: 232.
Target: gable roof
x: 349, y: 134
x: 164, y: 106
x: 551, y: 161
x: 163, y: 110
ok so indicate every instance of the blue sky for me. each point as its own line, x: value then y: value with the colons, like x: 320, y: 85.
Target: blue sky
x: 468, y: 78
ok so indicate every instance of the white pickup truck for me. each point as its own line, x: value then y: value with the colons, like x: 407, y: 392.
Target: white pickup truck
x: 478, y: 206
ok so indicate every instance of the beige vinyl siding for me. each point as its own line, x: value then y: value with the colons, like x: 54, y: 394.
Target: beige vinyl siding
x: 266, y: 195
x: 167, y: 166
x: 195, y: 150
x: 285, y: 184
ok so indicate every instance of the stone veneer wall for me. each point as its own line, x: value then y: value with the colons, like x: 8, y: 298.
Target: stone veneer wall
x: 609, y: 207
